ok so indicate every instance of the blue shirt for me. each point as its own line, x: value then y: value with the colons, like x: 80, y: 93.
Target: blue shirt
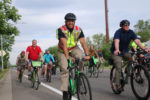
x: 125, y: 37
x: 48, y: 57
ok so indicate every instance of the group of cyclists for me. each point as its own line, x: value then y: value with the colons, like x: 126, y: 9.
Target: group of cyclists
x: 68, y: 36
x: 34, y: 53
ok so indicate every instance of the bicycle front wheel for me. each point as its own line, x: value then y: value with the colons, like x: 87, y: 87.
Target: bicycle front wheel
x: 20, y: 76
x: 36, y: 85
x: 140, y: 83
x: 83, y: 88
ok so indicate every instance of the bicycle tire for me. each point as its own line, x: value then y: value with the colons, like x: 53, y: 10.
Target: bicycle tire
x: 32, y: 79
x: 97, y: 71
x: 36, y: 84
x: 101, y: 68
x: 133, y: 77
x: 112, y: 81
x: 83, y: 82
x: 20, y: 76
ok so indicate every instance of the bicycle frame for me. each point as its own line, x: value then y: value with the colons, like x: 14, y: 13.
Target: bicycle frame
x: 73, y: 84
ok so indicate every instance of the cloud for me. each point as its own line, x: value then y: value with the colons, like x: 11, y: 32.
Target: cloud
x: 41, y: 18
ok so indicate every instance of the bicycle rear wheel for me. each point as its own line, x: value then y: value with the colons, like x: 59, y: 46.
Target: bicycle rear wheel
x: 113, y: 80
x: 140, y: 83
x: 83, y: 88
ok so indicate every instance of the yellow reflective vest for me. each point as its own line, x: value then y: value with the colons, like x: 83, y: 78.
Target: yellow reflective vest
x: 72, y: 38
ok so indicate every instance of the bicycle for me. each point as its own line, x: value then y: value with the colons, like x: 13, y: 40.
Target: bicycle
x: 48, y: 76
x: 96, y: 68
x: 136, y: 74
x: 78, y: 82
x: 34, y: 74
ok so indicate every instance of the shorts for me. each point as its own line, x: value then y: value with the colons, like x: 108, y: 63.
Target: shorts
x: 19, y: 67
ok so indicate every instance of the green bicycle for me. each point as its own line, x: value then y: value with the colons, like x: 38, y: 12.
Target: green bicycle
x: 78, y: 82
x: 96, y: 68
x: 34, y: 74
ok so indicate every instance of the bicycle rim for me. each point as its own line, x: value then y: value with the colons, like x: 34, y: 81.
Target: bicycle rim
x: 83, y: 88
x: 140, y: 83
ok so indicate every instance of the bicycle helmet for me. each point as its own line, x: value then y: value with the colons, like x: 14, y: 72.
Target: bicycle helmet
x: 70, y: 16
x: 47, y: 50
x: 23, y: 52
x: 124, y: 23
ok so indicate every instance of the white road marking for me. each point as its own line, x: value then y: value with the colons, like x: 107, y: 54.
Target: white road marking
x: 52, y: 88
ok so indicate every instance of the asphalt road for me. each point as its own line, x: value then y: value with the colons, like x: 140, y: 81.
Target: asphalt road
x: 101, y: 89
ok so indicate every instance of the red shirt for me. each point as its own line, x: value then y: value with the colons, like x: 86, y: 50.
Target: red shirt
x: 34, y: 52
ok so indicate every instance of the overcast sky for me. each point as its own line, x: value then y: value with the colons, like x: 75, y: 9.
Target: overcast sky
x: 41, y: 18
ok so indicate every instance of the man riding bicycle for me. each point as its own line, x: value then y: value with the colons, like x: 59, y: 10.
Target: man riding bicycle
x: 92, y: 52
x: 48, y: 61
x: 32, y: 53
x: 119, y: 48
x: 68, y: 36
x: 21, y: 62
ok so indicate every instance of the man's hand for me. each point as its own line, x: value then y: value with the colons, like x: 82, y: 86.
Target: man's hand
x: 27, y: 60
x: 86, y: 57
x: 116, y: 52
x: 147, y: 50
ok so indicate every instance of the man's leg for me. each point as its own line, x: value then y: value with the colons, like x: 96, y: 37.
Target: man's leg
x: 127, y: 56
x: 117, y: 60
x: 45, y: 71
x: 77, y: 53
x: 62, y: 61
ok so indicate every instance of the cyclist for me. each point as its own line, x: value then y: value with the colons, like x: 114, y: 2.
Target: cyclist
x: 92, y: 52
x: 32, y: 53
x: 101, y: 59
x: 48, y: 59
x: 134, y: 45
x: 68, y: 36
x: 119, y: 48
x: 21, y: 62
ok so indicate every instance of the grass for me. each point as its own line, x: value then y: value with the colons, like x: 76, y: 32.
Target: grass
x: 3, y: 73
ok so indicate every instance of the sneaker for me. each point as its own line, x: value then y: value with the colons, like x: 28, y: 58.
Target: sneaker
x: 119, y: 88
x: 65, y: 95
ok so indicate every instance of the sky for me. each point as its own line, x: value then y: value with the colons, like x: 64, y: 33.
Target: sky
x: 41, y: 18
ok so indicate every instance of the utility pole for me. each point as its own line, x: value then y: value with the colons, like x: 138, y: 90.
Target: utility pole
x: 106, y: 19
x: 2, y: 52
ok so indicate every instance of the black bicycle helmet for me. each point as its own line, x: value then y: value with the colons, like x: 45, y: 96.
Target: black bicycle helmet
x: 70, y: 16
x: 124, y: 23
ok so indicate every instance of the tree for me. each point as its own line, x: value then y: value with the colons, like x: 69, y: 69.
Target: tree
x: 88, y: 41
x: 98, y: 40
x: 142, y: 28
x: 8, y: 18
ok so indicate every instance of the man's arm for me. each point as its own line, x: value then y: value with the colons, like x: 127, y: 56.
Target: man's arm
x: 116, y: 43
x: 64, y: 42
x: 83, y: 43
x: 96, y: 54
x: 41, y: 55
x: 51, y: 57
x: 27, y: 54
x: 138, y: 42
